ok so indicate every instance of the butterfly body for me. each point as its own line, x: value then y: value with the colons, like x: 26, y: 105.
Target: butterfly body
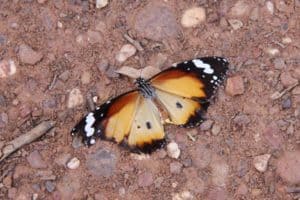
x: 134, y: 118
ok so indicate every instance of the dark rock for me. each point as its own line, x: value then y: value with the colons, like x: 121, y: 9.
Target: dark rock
x: 35, y: 160
x: 145, y: 179
x: 50, y: 186
x: 2, y: 39
x: 156, y: 22
x: 102, y: 163
x: 206, y: 125
x: 288, y: 167
x: 287, y: 103
x: 2, y: 101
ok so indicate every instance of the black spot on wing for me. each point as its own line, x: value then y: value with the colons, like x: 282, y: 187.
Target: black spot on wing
x: 147, y: 148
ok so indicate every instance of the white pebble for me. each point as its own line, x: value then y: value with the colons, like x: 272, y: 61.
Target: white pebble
x: 75, y: 98
x: 272, y: 51
x: 173, y: 150
x: 7, y: 68
x: 193, y: 16
x: 101, y: 3
x: 125, y: 52
x: 235, y: 24
x: 261, y: 162
x: 270, y: 7
x: 286, y: 40
x: 73, y: 163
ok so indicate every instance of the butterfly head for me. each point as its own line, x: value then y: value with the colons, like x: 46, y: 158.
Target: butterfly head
x: 145, y: 88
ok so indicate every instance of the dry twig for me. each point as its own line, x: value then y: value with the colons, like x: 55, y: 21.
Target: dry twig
x: 26, y: 138
x: 278, y: 95
x: 135, y: 43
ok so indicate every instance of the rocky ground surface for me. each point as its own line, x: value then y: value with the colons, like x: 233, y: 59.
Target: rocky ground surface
x: 57, y: 57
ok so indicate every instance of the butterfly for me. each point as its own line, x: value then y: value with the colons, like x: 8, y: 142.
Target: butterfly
x: 135, y: 119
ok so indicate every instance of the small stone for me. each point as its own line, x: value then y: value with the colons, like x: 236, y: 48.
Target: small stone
x: 279, y: 63
x: 220, y: 170
x: 241, y: 120
x: 175, y: 167
x: 94, y: 37
x: 77, y: 142
x: 173, y: 150
x: 272, y: 51
x: 35, y: 196
x: 287, y: 80
x: 28, y: 56
x: 7, y: 68
x: 215, y: 129
x: 101, y: 3
x: 185, y: 195
x: 73, y: 163
x: 261, y: 162
x: 102, y: 163
x: 129, y: 71
x: 240, y: 8
x: 235, y: 24
x: 287, y: 103
x: 286, y: 40
x: 193, y: 16
x: 41, y: 1
x: 206, y: 125
x: 270, y: 7
x: 255, y: 192
x: 35, y: 160
x: 50, y: 186
x: 273, y: 136
x: 3, y: 120
x: 145, y: 179
x: 157, y: 22
x: 235, y: 86
x: 64, y: 76
x: 59, y: 24
x: 81, y: 39
x: 75, y: 98
x: 2, y: 39
x: 122, y: 191
x: 288, y: 167
x: 125, y: 52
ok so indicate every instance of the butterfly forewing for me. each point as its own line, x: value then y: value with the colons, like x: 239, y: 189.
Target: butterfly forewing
x: 192, y: 83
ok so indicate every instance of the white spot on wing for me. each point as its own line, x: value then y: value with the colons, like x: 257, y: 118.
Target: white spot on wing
x: 92, y: 141
x: 90, y: 119
x: 215, y: 77
x: 207, y: 68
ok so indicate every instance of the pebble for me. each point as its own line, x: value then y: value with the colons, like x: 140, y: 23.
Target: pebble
x: 286, y: 103
x: 35, y: 160
x: 184, y: 195
x: 173, y: 150
x: 240, y: 8
x: 50, y: 186
x: 129, y: 71
x: 145, y: 179
x: 7, y: 68
x: 235, y: 85
x: 28, y: 56
x: 219, y: 172
x: 73, y: 163
x: 286, y: 40
x: 77, y: 142
x: 75, y: 98
x: 156, y: 22
x: 94, y: 37
x: 270, y: 7
x: 272, y: 51
x: 41, y: 1
x: 287, y: 80
x: 279, y: 63
x: 193, y: 16
x: 85, y: 78
x: 261, y: 162
x: 206, y: 125
x: 215, y: 130
x: 3, y: 120
x: 235, y: 24
x: 102, y: 163
x: 175, y: 167
x: 241, y: 120
x: 273, y: 136
x: 125, y: 52
x: 288, y: 167
x: 101, y: 3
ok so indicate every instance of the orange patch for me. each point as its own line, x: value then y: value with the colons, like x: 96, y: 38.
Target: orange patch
x: 180, y: 83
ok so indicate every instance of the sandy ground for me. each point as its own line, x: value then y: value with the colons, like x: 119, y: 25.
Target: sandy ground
x: 55, y: 55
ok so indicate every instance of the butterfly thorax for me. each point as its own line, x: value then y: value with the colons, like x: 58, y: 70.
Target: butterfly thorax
x: 145, y: 88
